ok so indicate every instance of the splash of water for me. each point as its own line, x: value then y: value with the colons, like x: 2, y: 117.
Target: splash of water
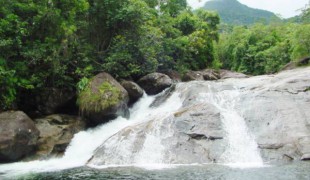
x: 84, y: 143
x: 242, y: 150
x: 242, y: 146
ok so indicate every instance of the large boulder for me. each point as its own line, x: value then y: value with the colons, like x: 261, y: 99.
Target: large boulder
x: 56, y: 132
x: 103, y: 99
x: 18, y: 136
x: 225, y: 74
x: 135, y: 92
x: 211, y: 74
x: 207, y: 74
x: 154, y: 83
x: 174, y: 75
x: 193, y: 76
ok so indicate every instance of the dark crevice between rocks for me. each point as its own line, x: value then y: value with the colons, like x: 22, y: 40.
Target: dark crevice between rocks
x: 290, y: 92
x: 305, y: 157
x: 270, y: 146
x: 203, y: 136
x: 60, y: 148
x: 69, y: 108
x: 162, y: 98
x: 288, y: 157
x: 196, y: 114
x: 307, y: 89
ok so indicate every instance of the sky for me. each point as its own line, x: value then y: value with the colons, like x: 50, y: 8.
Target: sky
x: 286, y: 8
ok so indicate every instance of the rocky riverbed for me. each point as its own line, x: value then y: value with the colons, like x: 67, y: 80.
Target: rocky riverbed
x: 271, y: 110
x: 275, y: 109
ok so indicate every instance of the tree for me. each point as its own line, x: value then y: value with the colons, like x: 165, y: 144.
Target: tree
x: 306, y: 13
x: 38, y: 43
x: 57, y: 43
x: 262, y: 49
x: 301, y: 42
x: 172, y: 7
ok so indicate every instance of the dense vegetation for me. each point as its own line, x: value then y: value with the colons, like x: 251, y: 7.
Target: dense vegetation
x: 59, y: 44
x: 55, y: 43
x: 233, y: 12
x: 261, y: 49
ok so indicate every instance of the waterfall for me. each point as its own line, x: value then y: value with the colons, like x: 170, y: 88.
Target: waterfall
x: 83, y: 144
x: 242, y: 148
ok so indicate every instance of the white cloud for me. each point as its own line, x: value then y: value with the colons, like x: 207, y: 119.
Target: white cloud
x: 286, y: 8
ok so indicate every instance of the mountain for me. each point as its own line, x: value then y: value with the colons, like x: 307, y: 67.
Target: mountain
x: 233, y: 12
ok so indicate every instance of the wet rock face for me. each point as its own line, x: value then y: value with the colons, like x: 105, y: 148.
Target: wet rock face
x: 277, y: 112
x: 154, y: 83
x: 56, y: 132
x: 191, y: 135
x: 18, y: 136
x: 275, y: 109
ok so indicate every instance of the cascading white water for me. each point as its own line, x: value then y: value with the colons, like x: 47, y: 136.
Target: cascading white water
x: 84, y: 143
x: 242, y: 150
x: 242, y: 146
x: 131, y: 149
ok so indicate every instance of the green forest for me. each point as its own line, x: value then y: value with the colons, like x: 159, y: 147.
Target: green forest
x: 62, y: 43
x: 233, y: 12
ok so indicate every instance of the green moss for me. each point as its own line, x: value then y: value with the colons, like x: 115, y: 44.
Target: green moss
x: 106, y: 96
x: 307, y: 89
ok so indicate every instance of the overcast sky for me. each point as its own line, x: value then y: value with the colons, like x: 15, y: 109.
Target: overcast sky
x: 286, y: 8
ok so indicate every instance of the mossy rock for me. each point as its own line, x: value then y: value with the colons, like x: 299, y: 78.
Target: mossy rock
x: 103, y: 99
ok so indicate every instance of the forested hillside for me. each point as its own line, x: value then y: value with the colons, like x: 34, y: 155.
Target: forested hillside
x: 261, y: 49
x: 233, y: 12
x: 60, y: 44
x: 54, y: 43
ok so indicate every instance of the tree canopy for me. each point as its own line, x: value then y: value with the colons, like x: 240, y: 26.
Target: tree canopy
x: 56, y: 43
x: 262, y: 49
x: 61, y: 43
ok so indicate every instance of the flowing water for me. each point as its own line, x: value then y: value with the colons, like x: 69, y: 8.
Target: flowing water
x: 293, y: 171
x: 241, y: 151
x: 84, y: 143
x: 242, y: 148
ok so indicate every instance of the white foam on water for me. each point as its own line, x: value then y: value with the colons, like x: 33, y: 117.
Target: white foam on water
x: 142, y: 143
x: 152, y: 166
x: 85, y: 143
x: 242, y: 150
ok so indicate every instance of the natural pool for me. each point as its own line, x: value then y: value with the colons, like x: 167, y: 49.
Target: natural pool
x: 295, y: 171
